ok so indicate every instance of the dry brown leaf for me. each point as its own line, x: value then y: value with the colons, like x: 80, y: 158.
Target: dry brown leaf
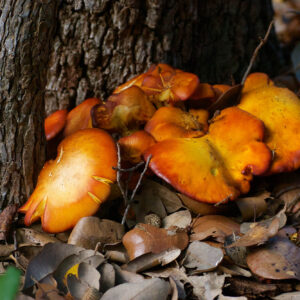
x: 203, y: 257
x: 108, y: 277
x: 49, y: 292
x: 207, y: 286
x: 288, y: 296
x: 116, y: 253
x: 203, y: 209
x: 124, y: 276
x: 176, y: 273
x: 91, y: 230
x: 6, y: 250
x: 34, y: 237
x: 181, y: 219
x: 215, y: 226
x: 237, y: 254
x: 260, y: 232
x: 278, y: 259
x: 150, y: 260
x: 6, y: 219
x: 145, y: 238
x: 154, y: 289
x: 253, y: 207
x: 150, y: 200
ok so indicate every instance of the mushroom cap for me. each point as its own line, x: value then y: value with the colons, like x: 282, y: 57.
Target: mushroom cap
x: 134, y: 145
x: 203, y: 91
x: 170, y: 85
x: 123, y: 112
x: 74, y: 184
x: 279, y: 109
x: 55, y: 123
x: 169, y: 122
x: 80, y: 116
x: 255, y: 81
x: 218, y: 166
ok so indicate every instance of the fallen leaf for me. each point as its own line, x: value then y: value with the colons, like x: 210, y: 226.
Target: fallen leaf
x: 6, y: 250
x: 89, y: 275
x: 152, y: 190
x: 49, y: 292
x: 176, y: 273
x: 258, y: 233
x: 91, y: 230
x: 203, y: 257
x: 116, y: 253
x: 154, y: 289
x: 108, y: 277
x: 203, y: 209
x: 180, y: 219
x: 150, y: 200
x: 150, y: 260
x: 215, y: 226
x: 76, y: 288
x: 178, y: 291
x: 288, y: 296
x: 6, y: 219
x: 222, y: 297
x: 234, y: 270
x: 207, y: 286
x: 253, y: 207
x: 237, y: 254
x: 70, y: 265
x: 47, y: 261
x: 145, y: 238
x: 278, y: 259
x: 34, y: 237
x: 124, y: 276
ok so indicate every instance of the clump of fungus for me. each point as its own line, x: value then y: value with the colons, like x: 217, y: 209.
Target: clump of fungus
x: 74, y: 184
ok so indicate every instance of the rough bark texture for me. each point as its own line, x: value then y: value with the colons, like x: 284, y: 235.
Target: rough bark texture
x: 100, y: 44
x: 26, y: 27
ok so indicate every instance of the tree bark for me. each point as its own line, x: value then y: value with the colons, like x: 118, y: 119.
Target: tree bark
x: 101, y: 44
x: 26, y: 28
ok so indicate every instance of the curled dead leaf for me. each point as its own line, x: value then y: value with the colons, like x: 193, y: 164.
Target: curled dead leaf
x: 145, y: 238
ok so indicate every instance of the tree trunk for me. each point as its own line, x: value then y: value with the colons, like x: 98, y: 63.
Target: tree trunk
x: 26, y: 27
x: 101, y: 44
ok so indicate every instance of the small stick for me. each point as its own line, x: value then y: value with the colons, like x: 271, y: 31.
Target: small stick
x: 129, y: 169
x: 255, y: 53
x: 135, y: 190
x: 119, y: 175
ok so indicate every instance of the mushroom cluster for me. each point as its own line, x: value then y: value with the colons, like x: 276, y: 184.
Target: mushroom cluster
x: 163, y: 114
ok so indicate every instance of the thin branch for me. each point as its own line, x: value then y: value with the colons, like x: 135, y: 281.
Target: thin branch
x: 129, y: 169
x: 135, y: 190
x: 124, y: 194
x: 255, y: 53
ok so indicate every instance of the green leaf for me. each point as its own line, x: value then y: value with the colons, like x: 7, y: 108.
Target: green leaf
x: 9, y: 283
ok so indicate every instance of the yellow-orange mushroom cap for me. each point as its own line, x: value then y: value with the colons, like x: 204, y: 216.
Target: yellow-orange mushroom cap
x: 169, y: 122
x: 74, y: 184
x: 218, y: 166
x: 279, y: 109
x: 123, y: 112
x: 80, y: 116
x: 169, y: 85
x: 134, y: 145
x: 55, y: 123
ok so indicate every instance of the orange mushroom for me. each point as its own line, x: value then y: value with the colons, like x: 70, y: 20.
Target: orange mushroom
x: 279, y: 109
x: 74, y: 184
x: 134, y: 145
x: 80, y: 116
x: 166, y: 84
x: 170, y: 122
x: 220, y: 89
x: 218, y: 166
x: 124, y: 112
x: 55, y: 123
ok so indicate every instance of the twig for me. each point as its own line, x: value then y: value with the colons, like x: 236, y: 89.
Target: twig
x: 129, y: 169
x: 119, y: 175
x: 255, y: 53
x: 135, y: 190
